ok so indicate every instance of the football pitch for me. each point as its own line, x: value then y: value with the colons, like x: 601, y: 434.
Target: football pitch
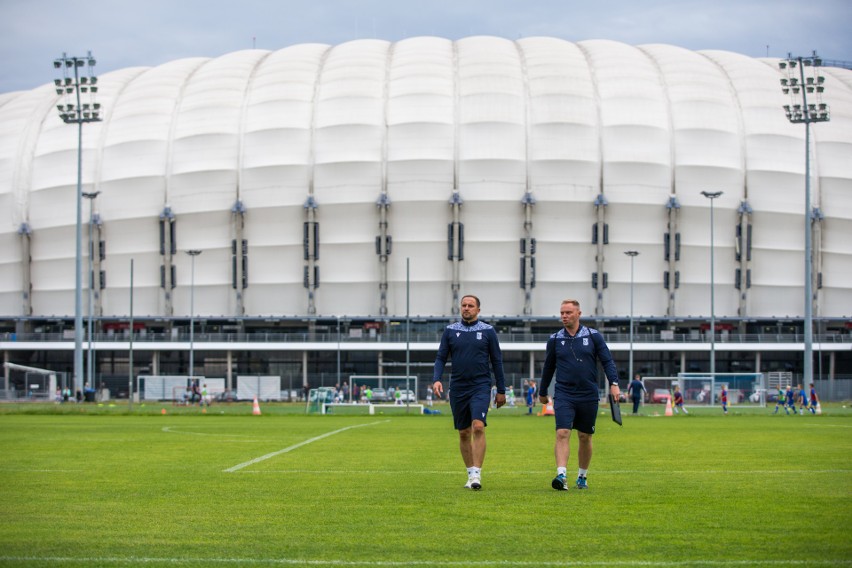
x: 93, y: 486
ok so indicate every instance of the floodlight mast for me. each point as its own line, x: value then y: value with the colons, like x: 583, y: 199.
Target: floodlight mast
x: 78, y: 114
x: 805, y: 114
x: 712, y: 195
x: 632, y: 254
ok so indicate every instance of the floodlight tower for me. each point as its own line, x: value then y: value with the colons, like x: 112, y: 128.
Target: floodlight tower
x: 192, y: 253
x: 805, y: 113
x: 77, y: 113
x: 632, y: 254
x: 712, y: 195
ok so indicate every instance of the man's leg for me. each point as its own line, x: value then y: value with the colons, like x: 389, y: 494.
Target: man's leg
x: 584, y: 449
x: 478, y: 443
x: 466, y: 447
x: 584, y: 457
x: 563, y: 447
x: 472, y: 446
x: 561, y: 451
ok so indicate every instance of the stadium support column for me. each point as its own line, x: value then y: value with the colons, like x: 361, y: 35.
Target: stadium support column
x: 168, y: 248
x: 383, y: 249
x: 600, y: 237
x: 742, y: 279
x: 239, y: 258
x: 528, y: 253
x: 671, y: 278
x: 94, y: 286
x: 805, y: 113
x: 26, y: 273
x: 455, y: 243
x: 311, y: 248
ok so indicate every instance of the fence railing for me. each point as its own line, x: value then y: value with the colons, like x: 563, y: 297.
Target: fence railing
x: 424, y: 337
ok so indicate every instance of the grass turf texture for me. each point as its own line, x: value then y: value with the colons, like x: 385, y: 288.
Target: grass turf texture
x: 98, y: 486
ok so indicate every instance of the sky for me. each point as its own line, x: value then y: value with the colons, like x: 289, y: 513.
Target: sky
x: 147, y: 33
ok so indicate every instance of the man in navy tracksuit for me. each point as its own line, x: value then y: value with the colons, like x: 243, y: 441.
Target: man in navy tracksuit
x: 473, y: 347
x: 572, y: 353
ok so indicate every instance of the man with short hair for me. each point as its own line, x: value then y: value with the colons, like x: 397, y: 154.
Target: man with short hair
x: 572, y: 353
x: 475, y: 352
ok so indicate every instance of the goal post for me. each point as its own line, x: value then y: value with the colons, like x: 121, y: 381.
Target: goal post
x: 352, y: 409
x: 702, y: 389
x: 386, y: 385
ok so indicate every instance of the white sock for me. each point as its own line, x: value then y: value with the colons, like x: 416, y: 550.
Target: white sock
x: 582, y: 472
x: 470, y: 471
x: 561, y: 471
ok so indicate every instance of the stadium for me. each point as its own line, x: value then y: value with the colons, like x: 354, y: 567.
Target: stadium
x: 340, y: 199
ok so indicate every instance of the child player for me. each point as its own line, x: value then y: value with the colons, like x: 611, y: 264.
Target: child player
x: 678, y: 400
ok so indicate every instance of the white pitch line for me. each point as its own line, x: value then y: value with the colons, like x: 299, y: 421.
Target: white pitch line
x: 544, y: 472
x: 299, y: 445
x: 137, y: 560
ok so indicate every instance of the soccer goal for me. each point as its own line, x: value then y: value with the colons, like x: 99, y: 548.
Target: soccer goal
x: 702, y: 389
x: 351, y: 409
x: 384, y: 388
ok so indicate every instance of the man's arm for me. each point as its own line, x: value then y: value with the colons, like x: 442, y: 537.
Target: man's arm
x: 605, y: 357
x: 440, y: 360
x: 548, y: 370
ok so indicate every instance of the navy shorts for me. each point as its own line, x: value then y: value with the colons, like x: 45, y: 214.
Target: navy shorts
x: 570, y: 415
x: 470, y: 406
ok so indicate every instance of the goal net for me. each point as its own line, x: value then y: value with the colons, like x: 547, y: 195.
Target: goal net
x: 702, y: 389
x: 351, y: 409
x: 383, y: 389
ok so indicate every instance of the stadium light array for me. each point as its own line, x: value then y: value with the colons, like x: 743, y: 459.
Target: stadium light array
x: 72, y: 110
x: 798, y: 87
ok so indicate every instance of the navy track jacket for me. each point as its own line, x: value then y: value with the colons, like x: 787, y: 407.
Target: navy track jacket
x: 574, y: 359
x: 475, y: 352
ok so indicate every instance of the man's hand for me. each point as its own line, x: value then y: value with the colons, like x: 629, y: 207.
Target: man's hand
x: 499, y: 400
x: 437, y: 389
x: 543, y: 398
x: 615, y: 392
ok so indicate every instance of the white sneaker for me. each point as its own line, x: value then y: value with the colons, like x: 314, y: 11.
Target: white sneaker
x: 469, y: 481
x: 475, y: 483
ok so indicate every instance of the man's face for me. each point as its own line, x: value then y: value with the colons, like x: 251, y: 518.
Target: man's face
x: 570, y: 315
x: 469, y: 311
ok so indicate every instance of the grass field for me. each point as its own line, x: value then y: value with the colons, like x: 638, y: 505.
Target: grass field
x: 98, y: 486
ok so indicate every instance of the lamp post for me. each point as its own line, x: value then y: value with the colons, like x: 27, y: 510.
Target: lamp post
x: 711, y: 196
x: 805, y: 113
x: 632, y: 254
x: 78, y: 113
x: 192, y: 253
x: 90, y: 373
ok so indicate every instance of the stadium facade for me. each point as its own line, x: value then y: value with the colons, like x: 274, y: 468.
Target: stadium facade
x: 335, y: 190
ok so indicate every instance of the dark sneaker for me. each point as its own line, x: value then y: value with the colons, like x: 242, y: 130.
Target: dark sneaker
x: 559, y: 483
x: 581, y: 483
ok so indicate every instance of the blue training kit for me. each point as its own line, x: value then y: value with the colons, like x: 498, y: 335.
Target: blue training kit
x: 475, y: 351
x: 574, y: 360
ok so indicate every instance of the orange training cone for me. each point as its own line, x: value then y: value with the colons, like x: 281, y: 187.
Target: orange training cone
x: 255, y: 407
x: 548, y: 409
x: 669, y: 406
x: 163, y: 411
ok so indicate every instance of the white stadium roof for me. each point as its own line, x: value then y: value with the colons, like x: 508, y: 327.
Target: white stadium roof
x: 575, y: 126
